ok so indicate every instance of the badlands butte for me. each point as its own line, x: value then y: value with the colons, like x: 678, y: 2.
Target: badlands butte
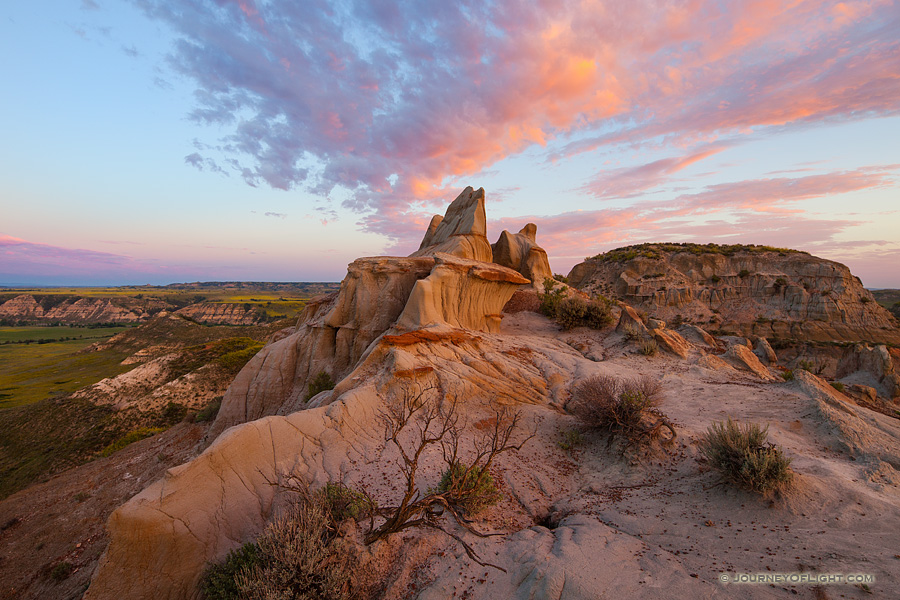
x: 756, y: 334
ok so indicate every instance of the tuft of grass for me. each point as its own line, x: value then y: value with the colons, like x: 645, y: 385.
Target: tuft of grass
x: 319, y: 384
x: 471, y: 488
x: 742, y: 456
x: 787, y: 375
x: 130, y: 438
x: 838, y: 386
x: 648, y: 347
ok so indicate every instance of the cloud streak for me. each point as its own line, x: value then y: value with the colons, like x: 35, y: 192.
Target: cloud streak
x: 394, y: 105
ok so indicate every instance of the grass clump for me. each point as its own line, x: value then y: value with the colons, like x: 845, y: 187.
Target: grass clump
x: 130, y: 438
x: 787, y: 375
x: 648, y: 347
x: 625, y: 409
x: 320, y: 383
x: 838, y: 386
x: 470, y: 488
x: 742, y: 456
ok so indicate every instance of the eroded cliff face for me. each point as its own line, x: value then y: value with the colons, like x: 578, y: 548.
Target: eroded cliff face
x: 450, y: 282
x: 26, y: 308
x: 754, y: 291
x: 215, y: 313
x: 520, y: 251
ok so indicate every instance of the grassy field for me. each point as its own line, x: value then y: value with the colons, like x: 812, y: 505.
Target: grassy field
x: 32, y: 372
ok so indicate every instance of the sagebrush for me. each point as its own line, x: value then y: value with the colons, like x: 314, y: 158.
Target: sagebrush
x: 743, y: 457
x: 623, y: 408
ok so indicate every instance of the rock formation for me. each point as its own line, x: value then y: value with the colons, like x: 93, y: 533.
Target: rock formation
x: 520, y: 252
x: 25, y: 309
x: 462, y: 231
x: 220, y: 313
x: 449, y: 282
x: 754, y: 290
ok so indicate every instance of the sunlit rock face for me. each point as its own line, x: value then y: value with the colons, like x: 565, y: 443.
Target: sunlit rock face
x: 449, y: 282
x: 462, y: 231
x: 520, y: 252
x: 754, y: 291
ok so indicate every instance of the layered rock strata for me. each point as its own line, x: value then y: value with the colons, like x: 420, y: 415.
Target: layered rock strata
x: 749, y: 290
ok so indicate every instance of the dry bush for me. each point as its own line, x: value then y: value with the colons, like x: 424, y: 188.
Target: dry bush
x: 418, y: 418
x: 743, y: 457
x: 299, y: 557
x: 622, y: 408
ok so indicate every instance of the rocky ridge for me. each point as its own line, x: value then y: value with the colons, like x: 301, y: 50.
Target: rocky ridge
x: 752, y: 290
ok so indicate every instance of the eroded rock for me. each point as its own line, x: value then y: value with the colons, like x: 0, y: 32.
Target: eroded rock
x: 520, y: 252
x: 462, y: 231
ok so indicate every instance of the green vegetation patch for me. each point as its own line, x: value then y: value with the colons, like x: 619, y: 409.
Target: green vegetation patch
x: 130, y: 438
x: 43, y: 438
x: 230, y: 353
x: 658, y: 250
x: 33, y: 372
x: 742, y: 456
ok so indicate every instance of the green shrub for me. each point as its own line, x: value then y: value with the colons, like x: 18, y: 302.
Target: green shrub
x: 130, y: 438
x: 172, y: 413
x: 838, y: 386
x: 787, y: 375
x: 577, y: 312
x: 219, y: 580
x: 209, y: 412
x: 234, y: 360
x: 469, y: 488
x: 743, y: 458
x: 320, y: 383
x: 344, y: 503
x: 715, y: 279
x: 551, y: 297
x: 744, y: 273
x: 61, y: 571
x: 561, y: 278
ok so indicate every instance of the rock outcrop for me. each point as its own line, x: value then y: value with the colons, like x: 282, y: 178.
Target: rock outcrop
x: 520, y: 252
x: 754, y: 290
x: 875, y: 364
x: 431, y: 288
x: 462, y: 231
x: 26, y: 308
x: 216, y: 313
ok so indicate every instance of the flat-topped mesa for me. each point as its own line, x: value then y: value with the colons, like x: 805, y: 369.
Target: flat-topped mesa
x: 520, y: 252
x: 754, y: 290
x: 462, y: 231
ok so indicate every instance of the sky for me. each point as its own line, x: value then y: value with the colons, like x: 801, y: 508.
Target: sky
x: 161, y: 141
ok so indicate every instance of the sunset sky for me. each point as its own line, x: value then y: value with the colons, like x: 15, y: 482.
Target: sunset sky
x: 159, y: 141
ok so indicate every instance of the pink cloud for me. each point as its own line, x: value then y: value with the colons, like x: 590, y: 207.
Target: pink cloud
x: 321, y: 95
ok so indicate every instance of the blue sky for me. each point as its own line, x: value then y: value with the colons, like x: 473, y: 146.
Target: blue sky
x: 158, y: 141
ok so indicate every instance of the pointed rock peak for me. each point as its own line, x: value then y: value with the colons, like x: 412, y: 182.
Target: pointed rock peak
x: 529, y: 231
x: 429, y: 233
x: 465, y: 218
